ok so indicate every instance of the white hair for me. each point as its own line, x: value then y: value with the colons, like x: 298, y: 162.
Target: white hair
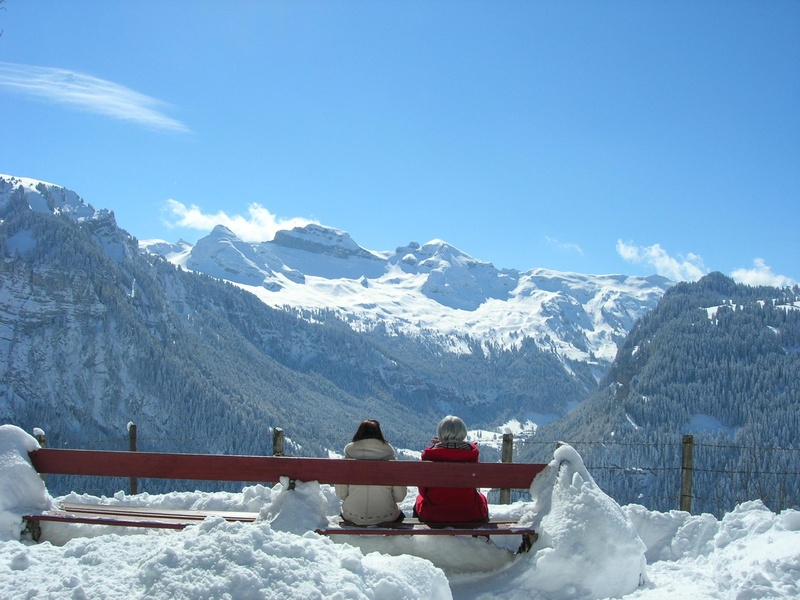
x: 451, y: 429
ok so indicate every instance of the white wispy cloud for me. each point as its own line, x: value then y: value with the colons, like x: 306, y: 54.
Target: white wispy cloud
x: 259, y: 225
x: 569, y: 246
x: 761, y: 274
x: 681, y: 268
x: 88, y: 93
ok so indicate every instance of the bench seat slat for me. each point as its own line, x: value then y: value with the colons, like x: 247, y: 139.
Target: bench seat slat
x: 113, y: 520
x: 131, y: 516
x: 156, y: 521
x: 415, y: 521
x: 419, y: 528
x: 134, y: 511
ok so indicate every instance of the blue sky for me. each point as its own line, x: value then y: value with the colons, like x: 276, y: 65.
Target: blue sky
x: 595, y: 137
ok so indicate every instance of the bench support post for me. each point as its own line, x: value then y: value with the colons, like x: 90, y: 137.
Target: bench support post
x: 686, y: 473
x: 277, y: 442
x: 134, y: 481
x: 507, y: 457
x: 32, y: 527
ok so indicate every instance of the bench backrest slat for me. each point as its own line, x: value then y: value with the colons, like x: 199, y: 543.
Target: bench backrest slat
x: 264, y: 469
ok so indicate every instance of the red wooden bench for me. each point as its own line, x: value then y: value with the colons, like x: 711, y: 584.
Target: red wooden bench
x: 263, y: 469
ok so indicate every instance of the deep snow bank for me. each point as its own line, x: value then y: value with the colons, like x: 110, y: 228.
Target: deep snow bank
x: 751, y: 553
x: 21, y: 488
x: 587, y: 548
x: 276, y: 557
x: 215, y: 559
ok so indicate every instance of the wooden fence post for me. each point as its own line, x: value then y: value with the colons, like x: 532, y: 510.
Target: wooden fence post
x: 277, y: 442
x: 40, y: 437
x: 507, y: 457
x: 687, y: 466
x: 134, y: 482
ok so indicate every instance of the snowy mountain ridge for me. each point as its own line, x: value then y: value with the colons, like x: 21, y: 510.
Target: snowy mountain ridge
x: 47, y: 197
x: 433, y: 287
x: 430, y: 290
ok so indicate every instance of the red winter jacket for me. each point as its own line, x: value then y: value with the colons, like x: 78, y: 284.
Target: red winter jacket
x: 451, y: 505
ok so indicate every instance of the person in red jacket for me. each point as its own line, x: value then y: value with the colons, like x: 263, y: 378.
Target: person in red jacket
x: 451, y: 505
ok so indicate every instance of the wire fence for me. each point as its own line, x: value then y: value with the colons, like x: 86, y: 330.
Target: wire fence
x: 723, y: 475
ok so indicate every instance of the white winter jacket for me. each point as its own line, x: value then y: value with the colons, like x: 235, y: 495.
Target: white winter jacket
x: 370, y: 504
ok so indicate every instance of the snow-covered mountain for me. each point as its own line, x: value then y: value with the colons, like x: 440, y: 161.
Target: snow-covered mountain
x: 415, y: 289
x: 433, y: 287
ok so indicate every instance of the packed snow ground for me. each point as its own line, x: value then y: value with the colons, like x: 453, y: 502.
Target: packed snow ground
x: 589, y: 547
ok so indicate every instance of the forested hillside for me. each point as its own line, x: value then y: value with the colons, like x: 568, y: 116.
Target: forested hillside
x: 94, y: 335
x: 715, y: 359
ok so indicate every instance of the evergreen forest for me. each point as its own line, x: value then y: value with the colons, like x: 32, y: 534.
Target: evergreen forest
x: 717, y: 360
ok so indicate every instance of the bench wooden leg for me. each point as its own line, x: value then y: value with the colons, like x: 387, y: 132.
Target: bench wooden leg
x: 527, y: 542
x: 32, y: 527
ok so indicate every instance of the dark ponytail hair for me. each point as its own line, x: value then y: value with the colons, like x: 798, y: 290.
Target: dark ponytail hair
x: 369, y: 430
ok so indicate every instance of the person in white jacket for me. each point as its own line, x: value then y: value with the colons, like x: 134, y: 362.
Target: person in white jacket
x: 370, y: 504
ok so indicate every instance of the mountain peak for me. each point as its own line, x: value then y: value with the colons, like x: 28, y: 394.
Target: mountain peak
x: 223, y: 255
x: 319, y: 239
x: 435, y: 254
x: 46, y: 197
x: 221, y: 232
